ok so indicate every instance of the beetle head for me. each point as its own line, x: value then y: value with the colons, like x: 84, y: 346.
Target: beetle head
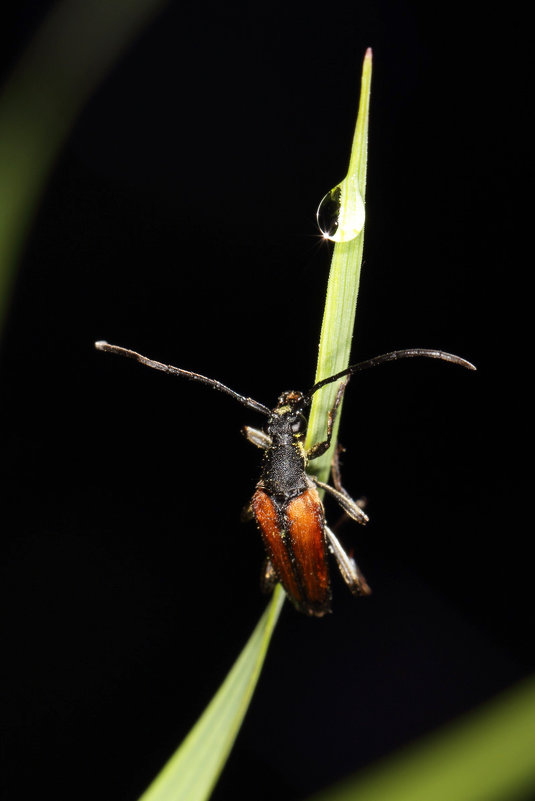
x: 288, y: 418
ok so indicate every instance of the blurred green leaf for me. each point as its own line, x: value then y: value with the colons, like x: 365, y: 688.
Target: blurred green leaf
x: 72, y: 51
x: 488, y: 755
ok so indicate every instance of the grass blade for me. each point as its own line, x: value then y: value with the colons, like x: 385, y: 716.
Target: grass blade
x: 193, y: 770
x: 342, y: 291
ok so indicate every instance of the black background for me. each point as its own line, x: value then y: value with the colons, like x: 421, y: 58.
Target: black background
x: 180, y: 221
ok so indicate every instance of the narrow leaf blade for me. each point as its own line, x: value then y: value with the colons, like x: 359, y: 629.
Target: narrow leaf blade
x: 342, y: 292
x: 193, y: 770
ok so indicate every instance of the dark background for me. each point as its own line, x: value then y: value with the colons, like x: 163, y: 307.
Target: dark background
x: 129, y: 584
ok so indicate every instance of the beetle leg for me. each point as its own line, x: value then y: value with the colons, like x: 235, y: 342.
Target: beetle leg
x: 268, y: 578
x: 247, y: 513
x: 321, y: 447
x: 335, y: 468
x: 350, y: 507
x: 337, y: 477
x: 257, y: 437
x: 348, y: 567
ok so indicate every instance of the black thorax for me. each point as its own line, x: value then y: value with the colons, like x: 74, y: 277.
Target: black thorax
x: 283, y: 468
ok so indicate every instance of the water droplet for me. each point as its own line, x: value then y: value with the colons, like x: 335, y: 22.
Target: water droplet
x: 328, y: 213
x: 341, y: 213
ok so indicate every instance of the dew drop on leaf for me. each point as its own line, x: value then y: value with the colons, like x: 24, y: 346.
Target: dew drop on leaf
x: 341, y: 213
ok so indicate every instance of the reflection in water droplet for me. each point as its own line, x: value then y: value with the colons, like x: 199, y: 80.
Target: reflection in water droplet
x: 329, y: 212
x: 341, y: 213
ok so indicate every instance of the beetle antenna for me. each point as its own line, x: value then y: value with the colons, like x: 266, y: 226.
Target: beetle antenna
x: 168, y: 368
x: 391, y: 357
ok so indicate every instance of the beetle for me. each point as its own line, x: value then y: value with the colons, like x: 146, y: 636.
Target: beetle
x: 286, y: 504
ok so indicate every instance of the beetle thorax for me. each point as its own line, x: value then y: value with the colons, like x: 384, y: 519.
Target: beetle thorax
x: 283, y: 468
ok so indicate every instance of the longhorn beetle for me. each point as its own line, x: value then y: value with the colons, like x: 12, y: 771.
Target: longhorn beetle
x: 286, y: 505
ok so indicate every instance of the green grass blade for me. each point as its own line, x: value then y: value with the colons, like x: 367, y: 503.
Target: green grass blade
x: 487, y: 756
x: 193, y: 770
x: 70, y: 54
x: 342, y: 291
